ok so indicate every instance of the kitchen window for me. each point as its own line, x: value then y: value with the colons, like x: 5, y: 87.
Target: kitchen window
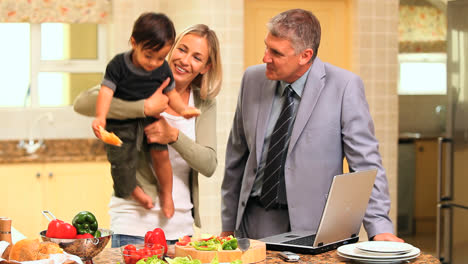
x: 47, y: 65
x: 422, y: 74
x: 43, y: 68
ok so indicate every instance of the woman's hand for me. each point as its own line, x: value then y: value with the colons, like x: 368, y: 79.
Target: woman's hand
x: 161, y: 132
x: 158, y: 102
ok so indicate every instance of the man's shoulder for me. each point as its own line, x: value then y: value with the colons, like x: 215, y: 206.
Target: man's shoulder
x: 256, y: 69
x: 331, y: 69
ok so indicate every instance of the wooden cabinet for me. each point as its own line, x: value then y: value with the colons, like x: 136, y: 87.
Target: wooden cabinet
x: 62, y: 188
x: 21, y: 197
x: 425, y: 185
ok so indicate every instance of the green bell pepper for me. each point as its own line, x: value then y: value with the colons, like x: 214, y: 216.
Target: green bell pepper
x: 230, y: 244
x: 85, y: 222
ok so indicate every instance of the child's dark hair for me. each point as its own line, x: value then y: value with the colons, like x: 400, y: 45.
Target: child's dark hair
x: 154, y: 31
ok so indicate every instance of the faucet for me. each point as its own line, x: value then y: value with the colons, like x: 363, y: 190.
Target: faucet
x: 31, y: 146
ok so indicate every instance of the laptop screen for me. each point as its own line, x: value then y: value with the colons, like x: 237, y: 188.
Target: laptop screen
x: 345, y: 207
x: 341, y: 219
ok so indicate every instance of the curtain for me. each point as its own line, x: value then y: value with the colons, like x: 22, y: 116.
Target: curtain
x: 422, y: 29
x: 63, y: 11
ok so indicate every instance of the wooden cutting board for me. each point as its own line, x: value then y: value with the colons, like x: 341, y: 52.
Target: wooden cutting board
x: 256, y: 253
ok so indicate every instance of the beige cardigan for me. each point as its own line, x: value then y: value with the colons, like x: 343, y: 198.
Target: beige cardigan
x: 199, y: 154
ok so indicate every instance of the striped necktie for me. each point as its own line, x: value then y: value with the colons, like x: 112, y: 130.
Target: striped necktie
x: 273, y: 189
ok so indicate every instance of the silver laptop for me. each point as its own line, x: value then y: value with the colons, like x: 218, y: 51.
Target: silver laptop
x: 341, y: 218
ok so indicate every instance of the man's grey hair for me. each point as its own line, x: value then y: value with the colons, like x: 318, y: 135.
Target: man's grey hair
x: 299, y: 26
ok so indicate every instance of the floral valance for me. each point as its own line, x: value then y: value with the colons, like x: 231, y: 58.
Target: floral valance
x: 422, y: 29
x: 63, y: 11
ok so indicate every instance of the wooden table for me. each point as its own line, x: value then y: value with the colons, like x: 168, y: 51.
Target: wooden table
x: 113, y: 255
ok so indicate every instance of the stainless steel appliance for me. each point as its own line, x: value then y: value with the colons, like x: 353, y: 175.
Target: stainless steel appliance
x: 452, y: 209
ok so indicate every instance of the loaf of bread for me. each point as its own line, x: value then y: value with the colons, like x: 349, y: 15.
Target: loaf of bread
x: 32, y: 249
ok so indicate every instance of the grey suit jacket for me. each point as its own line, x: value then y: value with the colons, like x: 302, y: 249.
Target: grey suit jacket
x: 332, y: 122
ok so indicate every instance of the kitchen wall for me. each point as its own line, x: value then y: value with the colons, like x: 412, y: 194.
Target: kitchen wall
x: 424, y: 114
x: 375, y: 50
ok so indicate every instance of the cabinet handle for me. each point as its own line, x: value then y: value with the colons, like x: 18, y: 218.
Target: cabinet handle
x: 51, y: 174
x: 38, y: 175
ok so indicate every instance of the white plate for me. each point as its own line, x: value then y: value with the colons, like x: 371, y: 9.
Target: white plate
x: 376, y: 261
x: 352, y: 250
x: 385, y: 247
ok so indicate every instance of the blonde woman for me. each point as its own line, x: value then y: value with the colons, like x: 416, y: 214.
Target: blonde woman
x: 196, y: 65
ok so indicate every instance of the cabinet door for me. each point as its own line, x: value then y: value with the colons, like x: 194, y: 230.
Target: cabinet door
x: 21, y: 197
x: 81, y: 186
x: 425, y: 190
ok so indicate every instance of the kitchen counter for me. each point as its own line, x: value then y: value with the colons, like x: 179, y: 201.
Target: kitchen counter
x: 411, y: 137
x: 54, y: 150
x: 112, y: 256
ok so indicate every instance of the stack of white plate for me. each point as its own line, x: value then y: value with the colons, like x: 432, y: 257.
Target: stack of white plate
x: 377, y: 252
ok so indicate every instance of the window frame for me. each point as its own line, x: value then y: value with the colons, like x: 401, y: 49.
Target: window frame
x: 65, y: 122
x: 68, y: 66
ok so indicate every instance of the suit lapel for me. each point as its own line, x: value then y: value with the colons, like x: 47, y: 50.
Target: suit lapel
x: 313, y: 87
x: 265, y: 102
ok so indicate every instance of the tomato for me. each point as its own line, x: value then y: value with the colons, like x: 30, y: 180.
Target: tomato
x: 130, y: 247
x: 87, y: 235
x: 146, y: 252
x: 153, y: 249
x: 183, y: 241
x: 206, y: 239
x: 131, y: 254
x: 155, y: 246
x: 135, y: 258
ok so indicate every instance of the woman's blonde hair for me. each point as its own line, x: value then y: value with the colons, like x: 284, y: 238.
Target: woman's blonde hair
x: 210, y: 82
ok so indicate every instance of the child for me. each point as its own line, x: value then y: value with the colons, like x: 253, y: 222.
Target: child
x: 136, y: 75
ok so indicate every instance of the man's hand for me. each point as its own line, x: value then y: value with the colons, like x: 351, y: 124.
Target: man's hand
x: 158, y: 102
x: 387, y: 237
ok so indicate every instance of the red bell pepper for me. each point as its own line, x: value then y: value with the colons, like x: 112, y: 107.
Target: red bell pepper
x: 59, y: 229
x: 156, y: 237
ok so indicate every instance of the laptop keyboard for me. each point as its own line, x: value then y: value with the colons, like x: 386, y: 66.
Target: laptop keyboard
x: 303, y: 241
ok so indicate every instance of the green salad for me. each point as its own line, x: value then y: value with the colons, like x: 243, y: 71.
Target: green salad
x: 215, y: 243
x: 189, y: 260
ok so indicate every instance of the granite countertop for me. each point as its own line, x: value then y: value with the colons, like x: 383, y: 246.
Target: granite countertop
x: 54, y: 150
x: 113, y: 255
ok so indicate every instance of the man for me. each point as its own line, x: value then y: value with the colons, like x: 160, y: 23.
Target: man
x: 328, y: 120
